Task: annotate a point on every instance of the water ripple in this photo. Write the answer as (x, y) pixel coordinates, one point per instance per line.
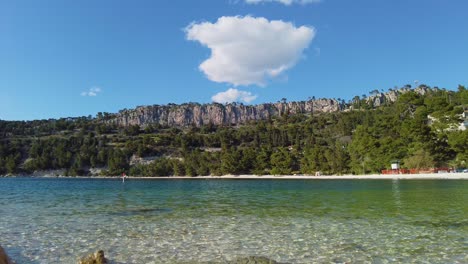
(56, 221)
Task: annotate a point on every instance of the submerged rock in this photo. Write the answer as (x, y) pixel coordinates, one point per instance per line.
(142, 211)
(96, 258)
(4, 259)
(253, 260)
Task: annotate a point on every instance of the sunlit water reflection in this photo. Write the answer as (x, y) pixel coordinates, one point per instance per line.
(199, 221)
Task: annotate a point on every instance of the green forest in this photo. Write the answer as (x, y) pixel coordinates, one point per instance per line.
(420, 131)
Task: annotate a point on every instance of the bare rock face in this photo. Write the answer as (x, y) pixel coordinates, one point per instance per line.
(4, 259)
(391, 96)
(194, 114)
(96, 258)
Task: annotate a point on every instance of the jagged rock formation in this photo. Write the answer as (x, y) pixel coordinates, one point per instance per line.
(391, 96)
(195, 114)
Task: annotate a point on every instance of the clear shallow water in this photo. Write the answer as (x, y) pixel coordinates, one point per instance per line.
(199, 221)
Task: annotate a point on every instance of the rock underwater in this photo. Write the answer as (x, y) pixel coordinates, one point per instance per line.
(4, 259)
(95, 258)
(253, 260)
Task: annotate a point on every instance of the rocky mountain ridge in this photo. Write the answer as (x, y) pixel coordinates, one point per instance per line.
(195, 114)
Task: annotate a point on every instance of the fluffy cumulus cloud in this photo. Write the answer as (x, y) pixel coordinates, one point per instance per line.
(285, 2)
(233, 95)
(93, 91)
(249, 50)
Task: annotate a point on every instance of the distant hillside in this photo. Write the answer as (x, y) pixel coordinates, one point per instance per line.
(422, 128)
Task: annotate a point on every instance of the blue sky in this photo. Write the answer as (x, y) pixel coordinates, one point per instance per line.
(63, 58)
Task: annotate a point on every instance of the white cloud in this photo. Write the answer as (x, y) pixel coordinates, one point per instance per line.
(93, 91)
(233, 95)
(248, 50)
(285, 2)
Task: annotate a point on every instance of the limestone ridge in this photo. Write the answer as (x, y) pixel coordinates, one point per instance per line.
(195, 114)
(391, 96)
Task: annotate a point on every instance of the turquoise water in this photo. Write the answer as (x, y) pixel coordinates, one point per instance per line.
(199, 221)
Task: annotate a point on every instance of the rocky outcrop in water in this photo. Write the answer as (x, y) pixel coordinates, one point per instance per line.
(95, 258)
(4, 259)
(194, 114)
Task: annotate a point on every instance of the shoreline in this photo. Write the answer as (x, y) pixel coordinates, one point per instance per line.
(441, 176)
(435, 176)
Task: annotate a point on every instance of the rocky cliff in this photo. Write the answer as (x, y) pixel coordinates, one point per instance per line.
(378, 99)
(194, 114)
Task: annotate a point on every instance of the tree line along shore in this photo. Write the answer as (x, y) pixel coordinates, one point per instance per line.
(418, 130)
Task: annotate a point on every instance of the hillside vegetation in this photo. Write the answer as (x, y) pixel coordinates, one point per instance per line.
(420, 130)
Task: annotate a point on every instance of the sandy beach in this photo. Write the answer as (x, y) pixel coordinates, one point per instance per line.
(433, 176)
(441, 176)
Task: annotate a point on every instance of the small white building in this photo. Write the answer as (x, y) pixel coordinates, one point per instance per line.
(464, 123)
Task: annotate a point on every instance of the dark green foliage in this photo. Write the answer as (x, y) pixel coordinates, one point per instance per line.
(282, 162)
(417, 130)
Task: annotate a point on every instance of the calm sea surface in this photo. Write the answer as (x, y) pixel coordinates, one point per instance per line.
(199, 221)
